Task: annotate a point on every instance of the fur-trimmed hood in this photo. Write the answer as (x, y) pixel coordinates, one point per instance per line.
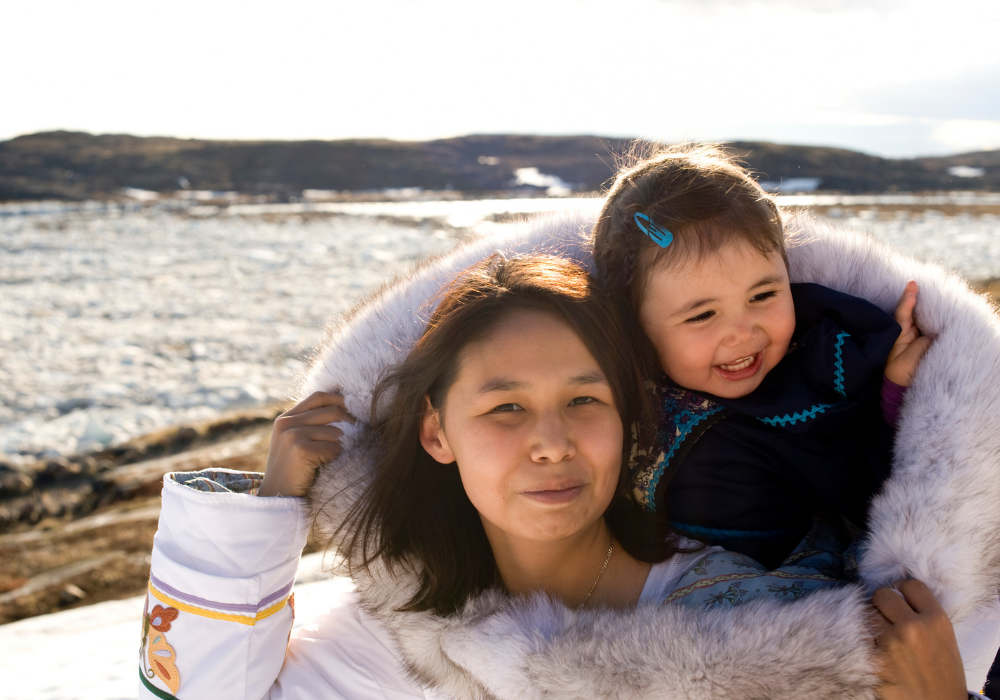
(937, 518)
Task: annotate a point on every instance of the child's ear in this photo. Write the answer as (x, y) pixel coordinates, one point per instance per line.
(432, 435)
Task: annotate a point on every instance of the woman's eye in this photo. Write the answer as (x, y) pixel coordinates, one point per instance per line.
(507, 408)
(700, 317)
(582, 401)
(763, 296)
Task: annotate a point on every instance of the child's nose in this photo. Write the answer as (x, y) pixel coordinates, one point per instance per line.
(742, 330)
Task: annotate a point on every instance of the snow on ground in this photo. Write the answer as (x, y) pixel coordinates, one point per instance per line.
(92, 653)
(119, 320)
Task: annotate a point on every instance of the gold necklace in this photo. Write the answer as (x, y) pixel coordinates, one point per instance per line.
(607, 558)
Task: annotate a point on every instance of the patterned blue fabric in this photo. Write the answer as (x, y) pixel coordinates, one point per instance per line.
(824, 559)
(682, 411)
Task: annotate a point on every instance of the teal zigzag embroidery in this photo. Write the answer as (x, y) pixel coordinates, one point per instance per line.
(797, 416)
(838, 372)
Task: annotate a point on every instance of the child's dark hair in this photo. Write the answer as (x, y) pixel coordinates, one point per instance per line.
(415, 514)
(697, 192)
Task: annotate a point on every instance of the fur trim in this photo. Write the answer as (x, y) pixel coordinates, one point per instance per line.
(936, 518)
(534, 650)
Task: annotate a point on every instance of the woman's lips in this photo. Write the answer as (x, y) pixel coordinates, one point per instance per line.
(554, 496)
(742, 368)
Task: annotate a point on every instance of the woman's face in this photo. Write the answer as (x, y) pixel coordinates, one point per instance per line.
(532, 424)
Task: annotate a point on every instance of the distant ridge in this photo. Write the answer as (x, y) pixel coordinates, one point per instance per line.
(76, 165)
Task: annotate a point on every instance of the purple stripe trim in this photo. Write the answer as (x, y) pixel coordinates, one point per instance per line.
(274, 596)
(229, 607)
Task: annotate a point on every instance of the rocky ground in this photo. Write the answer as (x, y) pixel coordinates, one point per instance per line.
(82, 532)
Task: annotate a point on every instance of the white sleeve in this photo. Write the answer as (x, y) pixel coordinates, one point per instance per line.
(218, 611)
(220, 607)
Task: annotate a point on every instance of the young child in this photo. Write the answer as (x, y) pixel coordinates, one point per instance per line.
(771, 404)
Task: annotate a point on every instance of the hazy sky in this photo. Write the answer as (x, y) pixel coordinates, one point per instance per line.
(892, 77)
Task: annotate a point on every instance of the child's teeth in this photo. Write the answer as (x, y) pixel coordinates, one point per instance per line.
(739, 364)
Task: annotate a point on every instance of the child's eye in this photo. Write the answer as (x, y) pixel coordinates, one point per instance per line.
(763, 295)
(700, 317)
(507, 408)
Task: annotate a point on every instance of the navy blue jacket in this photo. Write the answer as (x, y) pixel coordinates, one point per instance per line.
(750, 473)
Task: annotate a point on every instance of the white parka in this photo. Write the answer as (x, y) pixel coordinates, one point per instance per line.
(225, 561)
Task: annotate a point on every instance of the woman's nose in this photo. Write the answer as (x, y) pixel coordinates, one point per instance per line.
(551, 441)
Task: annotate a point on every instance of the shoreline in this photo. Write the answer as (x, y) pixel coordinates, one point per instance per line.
(85, 537)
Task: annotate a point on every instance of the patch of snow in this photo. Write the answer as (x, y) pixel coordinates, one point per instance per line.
(792, 184)
(141, 195)
(966, 171)
(554, 185)
(92, 653)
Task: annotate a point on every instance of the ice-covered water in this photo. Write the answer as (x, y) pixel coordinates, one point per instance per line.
(114, 325)
(964, 243)
(115, 321)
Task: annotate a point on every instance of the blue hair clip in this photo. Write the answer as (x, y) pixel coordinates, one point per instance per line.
(660, 236)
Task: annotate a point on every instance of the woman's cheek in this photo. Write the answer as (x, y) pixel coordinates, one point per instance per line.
(604, 445)
(484, 490)
(486, 462)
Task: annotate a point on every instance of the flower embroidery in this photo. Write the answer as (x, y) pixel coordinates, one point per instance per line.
(701, 568)
(732, 596)
(160, 660)
(796, 590)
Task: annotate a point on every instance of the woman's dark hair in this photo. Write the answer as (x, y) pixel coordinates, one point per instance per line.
(699, 193)
(415, 513)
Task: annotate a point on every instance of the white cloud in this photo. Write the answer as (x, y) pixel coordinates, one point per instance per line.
(968, 134)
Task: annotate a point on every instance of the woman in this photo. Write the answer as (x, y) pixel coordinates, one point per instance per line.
(530, 396)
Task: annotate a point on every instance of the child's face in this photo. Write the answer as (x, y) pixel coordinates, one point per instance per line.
(720, 324)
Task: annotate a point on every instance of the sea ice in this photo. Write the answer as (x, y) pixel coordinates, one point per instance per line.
(116, 320)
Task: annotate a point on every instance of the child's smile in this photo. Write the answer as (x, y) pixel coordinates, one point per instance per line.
(720, 324)
(743, 368)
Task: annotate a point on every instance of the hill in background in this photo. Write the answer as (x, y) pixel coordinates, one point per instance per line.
(76, 166)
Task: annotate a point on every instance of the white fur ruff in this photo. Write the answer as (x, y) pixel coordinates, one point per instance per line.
(937, 518)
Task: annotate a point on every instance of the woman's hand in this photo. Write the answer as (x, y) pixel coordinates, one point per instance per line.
(301, 442)
(911, 345)
(916, 646)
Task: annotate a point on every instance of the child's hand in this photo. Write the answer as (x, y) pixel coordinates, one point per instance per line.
(301, 442)
(917, 650)
(911, 344)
